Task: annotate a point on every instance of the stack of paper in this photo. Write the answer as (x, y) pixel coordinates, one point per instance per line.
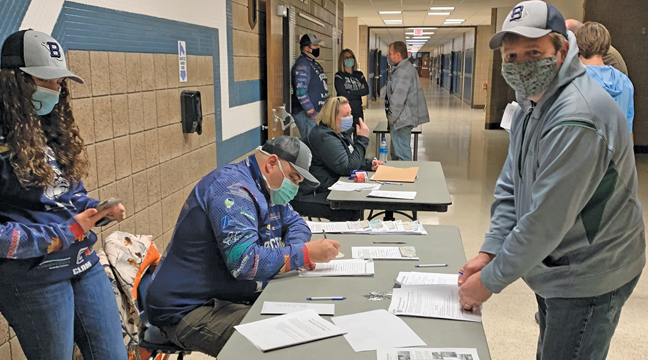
(428, 354)
(384, 252)
(378, 329)
(288, 330)
(374, 227)
(353, 186)
(435, 301)
(421, 278)
(355, 267)
(403, 195)
(280, 308)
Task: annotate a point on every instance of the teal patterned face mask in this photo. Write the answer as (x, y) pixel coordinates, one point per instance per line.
(532, 77)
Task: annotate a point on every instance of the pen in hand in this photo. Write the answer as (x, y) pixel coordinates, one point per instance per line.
(324, 232)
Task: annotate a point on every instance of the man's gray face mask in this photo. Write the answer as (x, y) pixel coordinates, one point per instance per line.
(532, 77)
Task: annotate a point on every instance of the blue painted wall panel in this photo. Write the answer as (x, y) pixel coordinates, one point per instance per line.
(12, 13)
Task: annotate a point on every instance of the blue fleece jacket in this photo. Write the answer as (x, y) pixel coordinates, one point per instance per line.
(40, 241)
(228, 242)
(618, 85)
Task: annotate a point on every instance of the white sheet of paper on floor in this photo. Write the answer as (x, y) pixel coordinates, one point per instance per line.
(427, 354)
(377, 329)
(280, 308)
(434, 301)
(403, 195)
(507, 118)
(421, 278)
(384, 252)
(353, 186)
(288, 330)
(354, 267)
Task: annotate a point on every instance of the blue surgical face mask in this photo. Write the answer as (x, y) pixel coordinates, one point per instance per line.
(347, 123)
(286, 192)
(349, 63)
(45, 99)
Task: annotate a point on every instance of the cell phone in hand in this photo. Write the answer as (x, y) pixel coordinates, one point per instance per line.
(103, 206)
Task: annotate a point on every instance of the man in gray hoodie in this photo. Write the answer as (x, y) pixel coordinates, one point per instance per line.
(566, 216)
(404, 102)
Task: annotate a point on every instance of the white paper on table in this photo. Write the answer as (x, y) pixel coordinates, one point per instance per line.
(354, 267)
(507, 118)
(377, 329)
(353, 186)
(435, 301)
(404, 195)
(287, 330)
(329, 227)
(384, 252)
(421, 278)
(428, 354)
(280, 308)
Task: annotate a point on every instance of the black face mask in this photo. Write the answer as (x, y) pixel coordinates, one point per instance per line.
(315, 52)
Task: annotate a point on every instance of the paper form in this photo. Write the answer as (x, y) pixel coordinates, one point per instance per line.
(507, 118)
(428, 354)
(404, 195)
(353, 186)
(421, 278)
(329, 227)
(384, 252)
(377, 329)
(377, 226)
(287, 330)
(435, 301)
(355, 267)
(280, 308)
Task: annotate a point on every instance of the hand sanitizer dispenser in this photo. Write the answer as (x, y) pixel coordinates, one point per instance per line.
(191, 109)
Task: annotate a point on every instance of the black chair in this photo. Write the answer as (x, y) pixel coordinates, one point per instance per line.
(151, 337)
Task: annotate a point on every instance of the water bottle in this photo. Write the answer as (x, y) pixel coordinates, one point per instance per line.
(383, 150)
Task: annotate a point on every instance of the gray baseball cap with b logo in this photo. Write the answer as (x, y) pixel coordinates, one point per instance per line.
(37, 54)
(295, 152)
(531, 19)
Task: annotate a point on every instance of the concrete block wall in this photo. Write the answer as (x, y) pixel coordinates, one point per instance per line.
(482, 63)
(249, 43)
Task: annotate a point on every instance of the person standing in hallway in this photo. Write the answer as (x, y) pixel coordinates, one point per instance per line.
(566, 217)
(53, 291)
(334, 155)
(404, 102)
(612, 57)
(351, 84)
(310, 85)
(593, 43)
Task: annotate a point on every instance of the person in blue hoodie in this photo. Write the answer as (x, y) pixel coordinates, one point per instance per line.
(566, 217)
(53, 292)
(594, 42)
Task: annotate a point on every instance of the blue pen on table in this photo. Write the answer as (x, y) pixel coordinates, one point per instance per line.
(326, 298)
(388, 183)
(431, 265)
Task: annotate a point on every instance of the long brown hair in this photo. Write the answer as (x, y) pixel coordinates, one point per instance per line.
(27, 135)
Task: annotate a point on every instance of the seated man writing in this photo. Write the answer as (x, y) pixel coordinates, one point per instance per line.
(234, 233)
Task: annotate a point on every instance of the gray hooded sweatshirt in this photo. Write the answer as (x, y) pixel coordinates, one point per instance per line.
(566, 216)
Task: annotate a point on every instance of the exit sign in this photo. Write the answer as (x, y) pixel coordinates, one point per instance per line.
(418, 32)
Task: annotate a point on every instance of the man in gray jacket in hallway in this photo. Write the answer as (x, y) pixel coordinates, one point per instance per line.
(404, 102)
(566, 217)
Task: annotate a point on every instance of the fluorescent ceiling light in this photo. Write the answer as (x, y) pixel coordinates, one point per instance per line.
(432, 28)
(455, 20)
(393, 21)
(389, 12)
(439, 13)
(420, 37)
(442, 8)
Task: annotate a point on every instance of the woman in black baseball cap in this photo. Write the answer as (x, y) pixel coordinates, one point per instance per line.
(53, 292)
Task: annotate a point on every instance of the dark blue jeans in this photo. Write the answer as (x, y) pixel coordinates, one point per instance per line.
(48, 319)
(580, 328)
(304, 124)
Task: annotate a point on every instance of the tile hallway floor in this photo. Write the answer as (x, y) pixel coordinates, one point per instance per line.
(472, 159)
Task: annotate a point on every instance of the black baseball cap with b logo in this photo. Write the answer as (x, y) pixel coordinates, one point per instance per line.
(532, 19)
(37, 54)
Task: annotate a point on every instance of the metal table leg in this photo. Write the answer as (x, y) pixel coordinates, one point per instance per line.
(378, 139)
(415, 156)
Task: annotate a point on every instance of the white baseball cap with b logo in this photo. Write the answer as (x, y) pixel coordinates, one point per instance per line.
(37, 54)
